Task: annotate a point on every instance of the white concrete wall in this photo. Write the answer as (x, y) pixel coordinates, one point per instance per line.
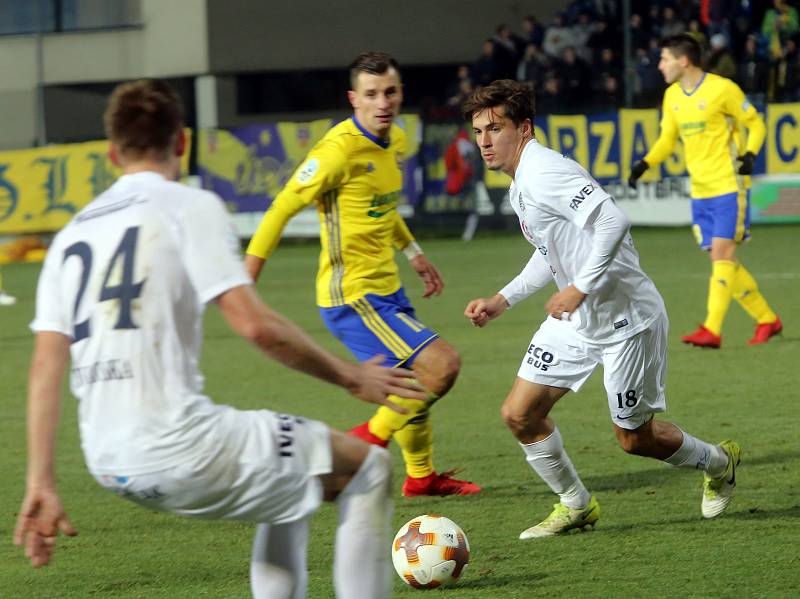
(171, 42)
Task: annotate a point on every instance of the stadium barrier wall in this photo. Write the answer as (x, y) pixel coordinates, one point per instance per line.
(40, 189)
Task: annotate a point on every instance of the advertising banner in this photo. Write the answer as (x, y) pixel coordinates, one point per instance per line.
(249, 165)
(42, 188)
(607, 144)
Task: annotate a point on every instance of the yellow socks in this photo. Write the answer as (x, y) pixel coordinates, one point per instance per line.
(720, 285)
(387, 422)
(416, 443)
(412, 432)
(745, 291)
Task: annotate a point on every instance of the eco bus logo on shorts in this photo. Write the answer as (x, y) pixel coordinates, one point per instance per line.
(540, 358)
(577, 200)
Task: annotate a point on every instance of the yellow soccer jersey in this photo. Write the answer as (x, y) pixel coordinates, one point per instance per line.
(355, 180)
(707, 120)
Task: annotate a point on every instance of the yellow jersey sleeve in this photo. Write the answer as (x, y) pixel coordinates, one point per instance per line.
(402, 234)
(324, 169)
(665, 143)
(737, 106)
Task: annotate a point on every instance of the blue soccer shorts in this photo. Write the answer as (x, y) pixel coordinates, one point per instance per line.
(726, 216)
(379, 324)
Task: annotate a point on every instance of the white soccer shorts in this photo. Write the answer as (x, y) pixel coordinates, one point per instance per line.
(634, 370)
(264, 468)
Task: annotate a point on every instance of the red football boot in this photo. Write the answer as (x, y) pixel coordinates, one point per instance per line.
(702, 337)
(362, 432)
(765, 331)
(439, 484)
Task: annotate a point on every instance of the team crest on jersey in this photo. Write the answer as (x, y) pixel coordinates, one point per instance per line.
(525, 231)
(308, 170)
(701, 104)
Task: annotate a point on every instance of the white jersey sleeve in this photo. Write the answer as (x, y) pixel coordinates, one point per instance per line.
(609, 226)
(533, 277)
(565, 188)
(210, 249)
(51, 313)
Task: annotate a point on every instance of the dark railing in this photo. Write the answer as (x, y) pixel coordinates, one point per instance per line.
(19, 17)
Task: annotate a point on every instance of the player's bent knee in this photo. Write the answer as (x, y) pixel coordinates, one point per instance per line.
(519, 423)
(437, 367)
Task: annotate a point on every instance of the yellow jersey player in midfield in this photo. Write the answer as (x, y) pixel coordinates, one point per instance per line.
(707, 111)
(353, 176)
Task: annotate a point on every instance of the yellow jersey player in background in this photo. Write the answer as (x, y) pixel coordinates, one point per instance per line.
(707, 112)
(354, 177)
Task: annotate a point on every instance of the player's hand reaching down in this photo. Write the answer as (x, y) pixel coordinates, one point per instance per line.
(429, 274)
(562, 304)
(748, 163)
(372, 383)
(480, 311)
(40, 519)
(637, 170)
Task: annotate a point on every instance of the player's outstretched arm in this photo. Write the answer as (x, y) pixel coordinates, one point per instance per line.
(287, 343)
(42, 515)
(637, 170)
(480, 311)
(429, 274)
(253, 265)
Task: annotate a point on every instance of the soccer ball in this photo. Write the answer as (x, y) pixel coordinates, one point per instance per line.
(430, 551)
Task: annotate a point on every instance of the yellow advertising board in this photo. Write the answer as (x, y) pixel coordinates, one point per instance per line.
(42, 188)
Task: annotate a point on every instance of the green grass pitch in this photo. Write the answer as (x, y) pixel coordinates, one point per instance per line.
(650, 541)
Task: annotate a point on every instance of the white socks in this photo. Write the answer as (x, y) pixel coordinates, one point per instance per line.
(694, 453)
(278, 567)
(550, 461)
(361, 568)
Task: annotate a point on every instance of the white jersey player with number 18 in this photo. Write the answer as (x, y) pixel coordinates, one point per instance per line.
(122, 292)
(606, 311)
(555, 199)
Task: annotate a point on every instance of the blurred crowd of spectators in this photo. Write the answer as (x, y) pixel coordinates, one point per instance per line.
(574, 62)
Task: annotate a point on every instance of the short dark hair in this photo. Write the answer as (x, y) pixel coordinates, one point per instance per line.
(516, 97)
(684, 44)
(143, 117)
(374, 63)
